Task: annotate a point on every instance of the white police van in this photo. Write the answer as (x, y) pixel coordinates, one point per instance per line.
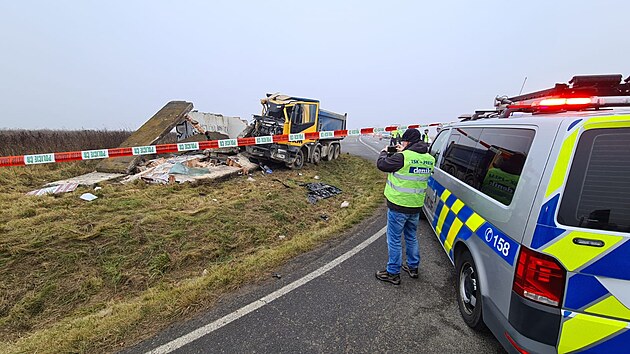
(531, 202)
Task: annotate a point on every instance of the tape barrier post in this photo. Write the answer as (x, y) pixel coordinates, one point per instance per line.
(56, 157)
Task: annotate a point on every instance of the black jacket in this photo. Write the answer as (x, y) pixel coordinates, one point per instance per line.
(394, 162)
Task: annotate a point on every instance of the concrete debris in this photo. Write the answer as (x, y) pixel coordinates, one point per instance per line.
(282, 237)
(251, 179)
(181, 169)
(88, 179)
(156, 171)
(218, 123)
(319, 191)
(88, 197)
(316, 177)
(242, 162)
(205, 272)
(98, 188)
(187, 168)
(345, 204)
(149, 133)
(61, 188)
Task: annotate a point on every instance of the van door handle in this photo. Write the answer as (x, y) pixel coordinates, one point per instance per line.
(588, 242)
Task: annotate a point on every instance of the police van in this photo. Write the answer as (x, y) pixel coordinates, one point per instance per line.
(531, 202)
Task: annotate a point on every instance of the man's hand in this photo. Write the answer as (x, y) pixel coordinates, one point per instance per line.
(399, 147)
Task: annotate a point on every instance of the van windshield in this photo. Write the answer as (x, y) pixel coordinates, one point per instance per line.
(597, 194)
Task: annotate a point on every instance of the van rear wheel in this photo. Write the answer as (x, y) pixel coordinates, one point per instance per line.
(469, 292)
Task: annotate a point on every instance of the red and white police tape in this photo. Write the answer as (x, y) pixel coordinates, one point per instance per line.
(67, 156)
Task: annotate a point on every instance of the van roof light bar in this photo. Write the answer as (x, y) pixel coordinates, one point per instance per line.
(581, 93)
(583, 86)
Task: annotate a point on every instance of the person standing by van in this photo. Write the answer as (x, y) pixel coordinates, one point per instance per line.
(409, 170)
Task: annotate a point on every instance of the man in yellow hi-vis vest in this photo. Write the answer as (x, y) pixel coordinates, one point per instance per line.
(395, 139)
(425, 137)
(409, 170)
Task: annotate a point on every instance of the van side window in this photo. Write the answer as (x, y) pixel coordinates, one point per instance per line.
(597, 191)
(501, 164)
(438, 145)
(490, 159)
(460, 154)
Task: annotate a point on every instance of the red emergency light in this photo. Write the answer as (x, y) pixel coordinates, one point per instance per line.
(576, 101)
(554, 103)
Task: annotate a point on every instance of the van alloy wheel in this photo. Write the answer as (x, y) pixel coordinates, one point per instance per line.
(468, 288)
(469, 299)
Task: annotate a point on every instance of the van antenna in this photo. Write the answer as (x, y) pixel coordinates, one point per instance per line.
(522, 86)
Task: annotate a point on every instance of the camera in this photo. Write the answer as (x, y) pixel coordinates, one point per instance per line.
(391, 149)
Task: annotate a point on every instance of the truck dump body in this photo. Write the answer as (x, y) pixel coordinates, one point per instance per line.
(331, 121)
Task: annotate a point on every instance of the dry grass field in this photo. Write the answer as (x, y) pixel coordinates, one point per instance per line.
(80, 276)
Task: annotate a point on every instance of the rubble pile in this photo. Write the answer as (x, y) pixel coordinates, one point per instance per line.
(191, 168)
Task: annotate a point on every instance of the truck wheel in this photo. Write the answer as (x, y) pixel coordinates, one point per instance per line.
(317, 155)
(469, 292)
(337, 151)
(330, 153)
(299, 161)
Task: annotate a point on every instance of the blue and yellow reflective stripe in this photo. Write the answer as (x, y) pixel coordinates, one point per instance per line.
(575, 256)
(581, 330)
(611, 307)
(454, 220)
(452, 233)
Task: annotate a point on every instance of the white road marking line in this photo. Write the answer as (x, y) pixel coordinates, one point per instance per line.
(368, 146)
(211, 327)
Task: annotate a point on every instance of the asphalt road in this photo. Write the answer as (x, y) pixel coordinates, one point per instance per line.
(346, 309)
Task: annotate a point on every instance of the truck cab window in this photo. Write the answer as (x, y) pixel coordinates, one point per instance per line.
(303, 117)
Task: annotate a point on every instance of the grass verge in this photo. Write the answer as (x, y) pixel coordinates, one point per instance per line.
(96, 276)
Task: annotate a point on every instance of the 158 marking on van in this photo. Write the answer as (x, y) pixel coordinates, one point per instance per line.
(501, 244)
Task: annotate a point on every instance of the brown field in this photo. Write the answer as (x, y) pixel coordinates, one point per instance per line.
(21, 142)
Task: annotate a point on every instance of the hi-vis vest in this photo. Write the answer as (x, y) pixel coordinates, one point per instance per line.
(406, 186)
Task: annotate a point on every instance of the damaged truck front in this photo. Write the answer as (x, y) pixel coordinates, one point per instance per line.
(286, 115)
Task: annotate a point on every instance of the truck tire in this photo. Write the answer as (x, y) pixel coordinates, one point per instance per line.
(337, 151)
(469, 291)
(317, 155)
(298, 163)
(330, 152)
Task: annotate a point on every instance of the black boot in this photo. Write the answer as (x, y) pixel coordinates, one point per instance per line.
(388, 277)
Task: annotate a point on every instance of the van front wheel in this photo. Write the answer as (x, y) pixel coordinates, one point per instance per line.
(469, 292)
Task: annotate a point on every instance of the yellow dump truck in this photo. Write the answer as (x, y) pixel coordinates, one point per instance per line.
(302, 120)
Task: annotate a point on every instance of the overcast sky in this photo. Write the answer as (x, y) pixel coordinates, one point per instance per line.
(113, 64)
